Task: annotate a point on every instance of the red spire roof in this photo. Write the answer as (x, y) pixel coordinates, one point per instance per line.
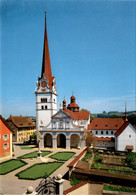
(46, 66)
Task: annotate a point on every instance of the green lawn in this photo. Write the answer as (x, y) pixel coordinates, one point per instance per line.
(10, 165)
(26, 147)
(64, 156)
(34, 154)
(39, 170)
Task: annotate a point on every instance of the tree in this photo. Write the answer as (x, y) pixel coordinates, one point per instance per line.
(90, 140)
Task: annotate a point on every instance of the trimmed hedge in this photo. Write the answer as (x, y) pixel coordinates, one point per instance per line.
(11, 165)
(34, 154)
(62, 156)
(121, 189)
(40, 170)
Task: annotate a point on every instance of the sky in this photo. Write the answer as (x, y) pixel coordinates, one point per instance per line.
(92, 48)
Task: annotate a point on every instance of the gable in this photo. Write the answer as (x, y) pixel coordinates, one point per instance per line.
(60, 114)
(125, 127)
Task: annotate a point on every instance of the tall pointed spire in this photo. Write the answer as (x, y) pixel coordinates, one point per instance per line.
(126, 112)
(46, 66)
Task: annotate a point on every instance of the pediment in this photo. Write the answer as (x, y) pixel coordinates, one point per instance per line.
(61, 114)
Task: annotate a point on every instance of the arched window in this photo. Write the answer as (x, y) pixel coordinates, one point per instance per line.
(45, 107)
(42, 107)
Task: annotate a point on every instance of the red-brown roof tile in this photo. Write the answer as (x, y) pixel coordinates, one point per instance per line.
(81, 115)
(102, 139)
(75, 187)
(105, 123)
(21, 121)
(121, 129)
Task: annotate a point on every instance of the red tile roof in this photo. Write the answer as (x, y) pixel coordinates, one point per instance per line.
(121, 129)
(81, 115)
(105, 123)
(75, 187)
(21, 121)
(102, 139)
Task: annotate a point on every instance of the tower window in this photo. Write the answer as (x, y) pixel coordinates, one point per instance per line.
(107, 132)
(45, 107)
(96, 132)
(42, 107)
(43, 100)
(112, 132)
(101, 132)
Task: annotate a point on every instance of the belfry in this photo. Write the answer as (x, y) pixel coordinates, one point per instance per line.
(46, 95)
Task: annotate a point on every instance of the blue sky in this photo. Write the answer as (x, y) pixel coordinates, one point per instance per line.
(92, 51)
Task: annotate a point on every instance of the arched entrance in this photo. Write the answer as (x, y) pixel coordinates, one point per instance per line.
(74, 141)
(48, 140)
(61, 141)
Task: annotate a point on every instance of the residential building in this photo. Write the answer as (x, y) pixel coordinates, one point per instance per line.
(22, 127)
(5, 139)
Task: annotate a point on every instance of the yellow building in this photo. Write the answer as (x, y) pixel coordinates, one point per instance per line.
(22, 127)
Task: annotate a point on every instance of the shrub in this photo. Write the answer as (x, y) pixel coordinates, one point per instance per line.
(74, 182)
(87, 156)
(113, 188)
(131, 160)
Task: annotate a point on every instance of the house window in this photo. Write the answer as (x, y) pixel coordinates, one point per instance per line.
(5, 137)
(107, 132)
(101, 132)
(5, 146)
(45, 107)
(111, 132)
(96, 132)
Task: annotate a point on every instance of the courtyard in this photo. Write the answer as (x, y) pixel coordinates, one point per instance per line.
(27, 174)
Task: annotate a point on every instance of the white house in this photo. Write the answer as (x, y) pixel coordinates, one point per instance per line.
(125, 138)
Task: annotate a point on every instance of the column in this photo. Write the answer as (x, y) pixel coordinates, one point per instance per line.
(67, 143)
(54, 141)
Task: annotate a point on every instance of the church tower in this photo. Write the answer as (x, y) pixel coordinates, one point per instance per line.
(46, 95)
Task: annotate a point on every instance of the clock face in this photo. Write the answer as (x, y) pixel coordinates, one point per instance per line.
(43, 84)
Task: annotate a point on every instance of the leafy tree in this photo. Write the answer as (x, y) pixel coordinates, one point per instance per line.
(89, 139)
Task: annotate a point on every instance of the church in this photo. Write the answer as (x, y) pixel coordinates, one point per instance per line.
(64, 128)
(67, 127)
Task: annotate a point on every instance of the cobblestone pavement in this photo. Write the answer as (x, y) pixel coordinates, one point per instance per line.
(10, 184)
